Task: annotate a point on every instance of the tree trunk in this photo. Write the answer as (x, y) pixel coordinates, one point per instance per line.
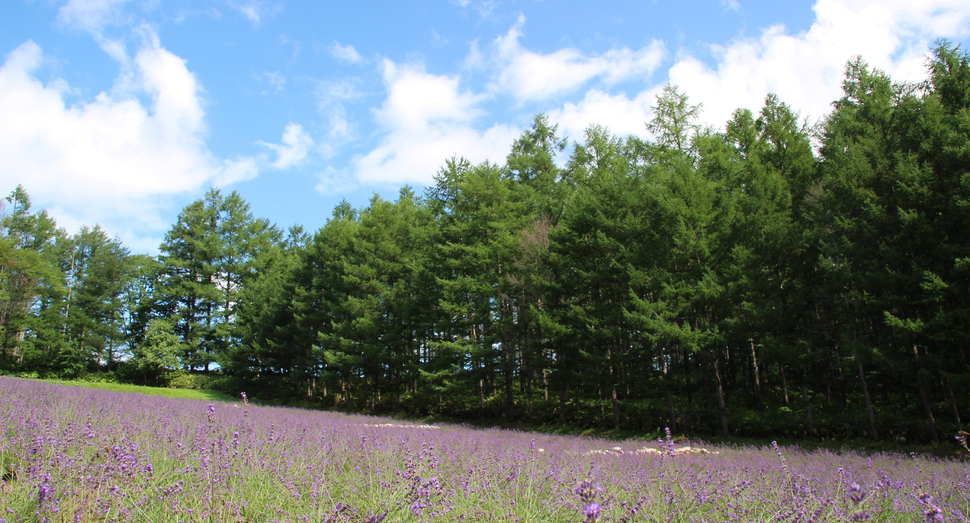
(865, 393)
(924, 398)
(757, 376)
(671, 408)
(808, 409)
(721, 402)
(930, 421)
(614, 399)
(563, 396)
(545, 385)
(953, 403)
(671, 411)
(784, 383)
(616, 410)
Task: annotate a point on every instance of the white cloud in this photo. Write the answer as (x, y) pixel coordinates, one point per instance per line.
(622, 115)
(276, 80)
(731, 5)
(254, 10)
(531, 76)
(331, 96)
(806, 70)
(111, 160)
(483, 7)
(90, 15)
(238, 170)
(345, 53)
(296, 144)
(416, 98)
(427, 119)
(331, 181)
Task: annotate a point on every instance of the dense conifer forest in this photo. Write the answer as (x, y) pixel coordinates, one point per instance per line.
(775, 277)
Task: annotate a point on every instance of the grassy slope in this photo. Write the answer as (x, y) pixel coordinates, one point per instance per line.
(207, 395)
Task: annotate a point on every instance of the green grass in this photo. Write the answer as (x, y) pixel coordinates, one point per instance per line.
(195, 394)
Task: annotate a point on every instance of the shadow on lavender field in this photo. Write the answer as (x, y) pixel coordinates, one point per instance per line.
(77, 454)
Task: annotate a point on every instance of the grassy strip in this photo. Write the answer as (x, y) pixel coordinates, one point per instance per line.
(192, 394)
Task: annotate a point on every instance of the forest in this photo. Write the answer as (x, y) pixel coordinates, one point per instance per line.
(773, 277)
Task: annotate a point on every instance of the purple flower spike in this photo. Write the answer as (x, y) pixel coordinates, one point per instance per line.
(856, 493)
(586, 491)
(933, 513)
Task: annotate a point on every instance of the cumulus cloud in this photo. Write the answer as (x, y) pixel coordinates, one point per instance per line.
(623, 116)
(532, 76)
(806, 69)
(296, 144)
(427, 118)
(113, 160)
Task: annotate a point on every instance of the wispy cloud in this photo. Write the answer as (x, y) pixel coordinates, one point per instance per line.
(331, 97)
(254, 10)
(484, 8)
(274, 78)
(90, 15)
(293, 151)
(345, 53)
(333, 181)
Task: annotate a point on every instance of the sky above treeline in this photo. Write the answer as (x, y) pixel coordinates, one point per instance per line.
(121, 112)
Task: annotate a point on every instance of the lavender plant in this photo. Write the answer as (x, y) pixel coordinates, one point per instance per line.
(79, 455)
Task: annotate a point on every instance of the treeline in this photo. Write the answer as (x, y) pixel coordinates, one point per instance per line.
(771, 278)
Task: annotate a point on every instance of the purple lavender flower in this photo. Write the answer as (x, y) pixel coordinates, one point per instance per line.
(933, 513)
(592, 512)
(586, 491)
(43, 493)
(856, 494)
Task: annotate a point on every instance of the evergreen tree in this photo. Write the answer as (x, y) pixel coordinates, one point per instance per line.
(209, 256)
(30, 283)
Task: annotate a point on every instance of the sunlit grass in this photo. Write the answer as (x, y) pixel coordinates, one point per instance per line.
(190, 394)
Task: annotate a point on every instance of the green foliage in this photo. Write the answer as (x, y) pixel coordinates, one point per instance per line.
(158, 355)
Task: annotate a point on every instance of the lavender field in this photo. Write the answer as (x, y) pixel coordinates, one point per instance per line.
(78, 455)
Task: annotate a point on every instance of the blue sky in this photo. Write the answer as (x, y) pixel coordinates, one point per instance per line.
(121, 112)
